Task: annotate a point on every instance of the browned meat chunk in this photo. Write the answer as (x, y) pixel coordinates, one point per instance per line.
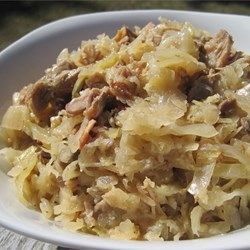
(123, 91)
(202, 87)
(50, 93)
(202, 53)
(85, 137)
(122, 83)
(98, 104)
(39, 98)
(219, 50)
(168, 210)
(65, 81)
(44, 157)
(210, 216)
(91, 101)
(62, 77)
(124, 35)
(79, 104)
(227, 107)
(200, 91)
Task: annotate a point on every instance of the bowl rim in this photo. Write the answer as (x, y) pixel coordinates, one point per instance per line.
(237, 239)
(101, 13)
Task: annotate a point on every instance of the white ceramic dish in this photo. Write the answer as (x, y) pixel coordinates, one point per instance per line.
(25, 60)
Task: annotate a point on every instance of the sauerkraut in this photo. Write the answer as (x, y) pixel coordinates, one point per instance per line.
(140, 136)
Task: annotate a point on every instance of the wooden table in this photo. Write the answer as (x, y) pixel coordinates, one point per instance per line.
(12, 241)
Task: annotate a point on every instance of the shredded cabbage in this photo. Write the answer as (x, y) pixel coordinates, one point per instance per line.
(155, 147)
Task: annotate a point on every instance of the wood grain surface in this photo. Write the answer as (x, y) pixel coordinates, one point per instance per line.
(12, 241)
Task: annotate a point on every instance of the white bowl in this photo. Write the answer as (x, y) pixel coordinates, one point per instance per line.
(24, 62)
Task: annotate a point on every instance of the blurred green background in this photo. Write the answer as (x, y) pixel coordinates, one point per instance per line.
(19, 17)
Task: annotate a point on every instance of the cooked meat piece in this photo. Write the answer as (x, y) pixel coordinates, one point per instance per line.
(200, 91)
(202, 87)
(227, 107)
(65, 81)
(123, 91)
(169, 211)
(85, 136)
(98, 104)
(181, 177)
(45, 100)
(50, 94)
(58, 74)
(219, 50)
(62, 76)
(202, 53)
(122, 83)
(245, 123)
(112, 108)
(91, 101)
(44, 157)
(39, 98)
(210, 216)
(78, 104)
(124, 35)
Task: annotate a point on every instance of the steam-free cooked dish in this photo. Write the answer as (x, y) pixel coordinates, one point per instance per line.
(143, 136)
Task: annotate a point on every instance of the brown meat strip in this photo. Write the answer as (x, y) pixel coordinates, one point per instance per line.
(123, 91)
(202, 87)
(49, 94)
(65, 81)
(91, 101)
(227, 107)
(219, 50)
(120, 84)
(39, 98)
(44, 157)
(85, 137)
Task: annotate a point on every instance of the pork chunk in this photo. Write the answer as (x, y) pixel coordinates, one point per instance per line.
(50, 94)
(219, 51)
(202, 87)
(123, 83)
(227, 107)
(39, 98)
(91, 102)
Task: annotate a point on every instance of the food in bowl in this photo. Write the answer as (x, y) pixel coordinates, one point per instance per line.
(142, 136)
